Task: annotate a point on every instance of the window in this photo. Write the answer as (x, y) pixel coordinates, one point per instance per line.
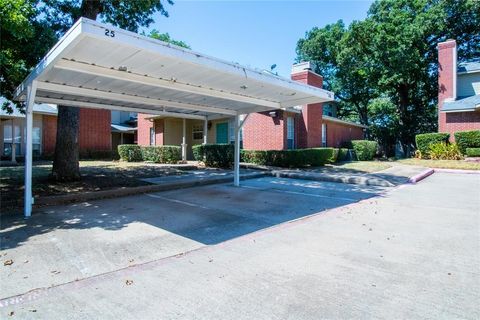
(324, 134)
(152, 136)
(36, 137)
(197, 130)
(7, 140)
(290, 133)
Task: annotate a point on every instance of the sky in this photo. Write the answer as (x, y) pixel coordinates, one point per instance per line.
(257, 34)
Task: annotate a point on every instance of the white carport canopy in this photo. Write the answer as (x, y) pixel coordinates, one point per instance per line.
(98, 66)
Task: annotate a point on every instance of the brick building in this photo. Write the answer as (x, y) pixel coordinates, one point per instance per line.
(458, 91)
(99, 131)
(299, 127)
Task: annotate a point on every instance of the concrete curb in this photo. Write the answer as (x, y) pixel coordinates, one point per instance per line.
(422, 175)
(346, 179)
(122, 192)
(457, 171)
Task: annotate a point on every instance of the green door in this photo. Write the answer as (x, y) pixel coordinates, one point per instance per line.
(222, 132)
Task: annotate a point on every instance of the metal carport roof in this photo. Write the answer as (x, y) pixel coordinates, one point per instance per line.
(95, 65)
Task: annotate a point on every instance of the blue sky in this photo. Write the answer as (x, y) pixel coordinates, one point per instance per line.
(253, 33)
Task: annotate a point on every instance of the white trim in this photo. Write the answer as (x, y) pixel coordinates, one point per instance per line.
(454, 65)
(332, 119)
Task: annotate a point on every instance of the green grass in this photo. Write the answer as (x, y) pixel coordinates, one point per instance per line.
(442, 164)
(363, 166)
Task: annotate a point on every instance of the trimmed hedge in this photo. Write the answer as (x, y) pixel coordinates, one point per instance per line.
(424, 141)
(130, 152)
(214, 155)
(365, 150)
(290, 158)
(162, 154)
(467, 139)
(473, 152)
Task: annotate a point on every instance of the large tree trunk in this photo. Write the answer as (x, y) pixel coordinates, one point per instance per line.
(65, 163)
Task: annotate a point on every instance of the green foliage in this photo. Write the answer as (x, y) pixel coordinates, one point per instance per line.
(161, 154)
(215, 155)
(290, 158)
(444, 151)
(424, 141)
(473, 152)
(165, 37)
(343, 154)
(130, 152)
(198, 152)
(467, 139)
(95, 155)
(392, 55)
(364, 150)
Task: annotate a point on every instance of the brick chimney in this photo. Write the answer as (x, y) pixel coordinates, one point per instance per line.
(310, 131)
(447, 77)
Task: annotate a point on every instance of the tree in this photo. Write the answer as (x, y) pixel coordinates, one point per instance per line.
(165, 37)
(340, 55)
(30, 28)
(392, 55)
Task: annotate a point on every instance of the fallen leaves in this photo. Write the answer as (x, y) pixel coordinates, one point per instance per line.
(8, 262)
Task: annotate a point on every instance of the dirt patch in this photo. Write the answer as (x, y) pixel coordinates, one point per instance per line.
(96, 176)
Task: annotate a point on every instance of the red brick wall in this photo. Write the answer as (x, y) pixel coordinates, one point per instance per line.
(453, 121)
(446, 78)
(338, 133)
(49, 134)
(460, 121)
(95, 130)
(310, 132)
(143, 129)
(262, 132)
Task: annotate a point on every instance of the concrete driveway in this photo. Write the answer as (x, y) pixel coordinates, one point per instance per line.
(273, 249)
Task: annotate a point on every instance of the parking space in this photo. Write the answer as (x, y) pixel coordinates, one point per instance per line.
(60, 244)
(408, 252)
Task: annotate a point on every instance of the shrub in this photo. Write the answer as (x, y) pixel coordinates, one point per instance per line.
(344, 154)
(130, 152)
(334, 156)
(467, 139)
(365, 150)
(161, 154)
(198, 152)
(473, 152)
(444, 151)
(289, 158)
(424, 141)
(215, 155)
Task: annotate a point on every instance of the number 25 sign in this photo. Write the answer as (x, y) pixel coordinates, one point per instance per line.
(110, 33)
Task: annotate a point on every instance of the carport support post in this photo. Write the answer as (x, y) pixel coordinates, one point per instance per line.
(31, 91)
(236, 164)
(184, 144)
(205, 128)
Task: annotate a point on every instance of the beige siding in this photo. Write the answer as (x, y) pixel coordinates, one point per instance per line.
(468, 84)
(173, 132)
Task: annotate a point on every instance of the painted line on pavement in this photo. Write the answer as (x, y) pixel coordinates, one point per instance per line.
(301, 193)
(176, 201)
